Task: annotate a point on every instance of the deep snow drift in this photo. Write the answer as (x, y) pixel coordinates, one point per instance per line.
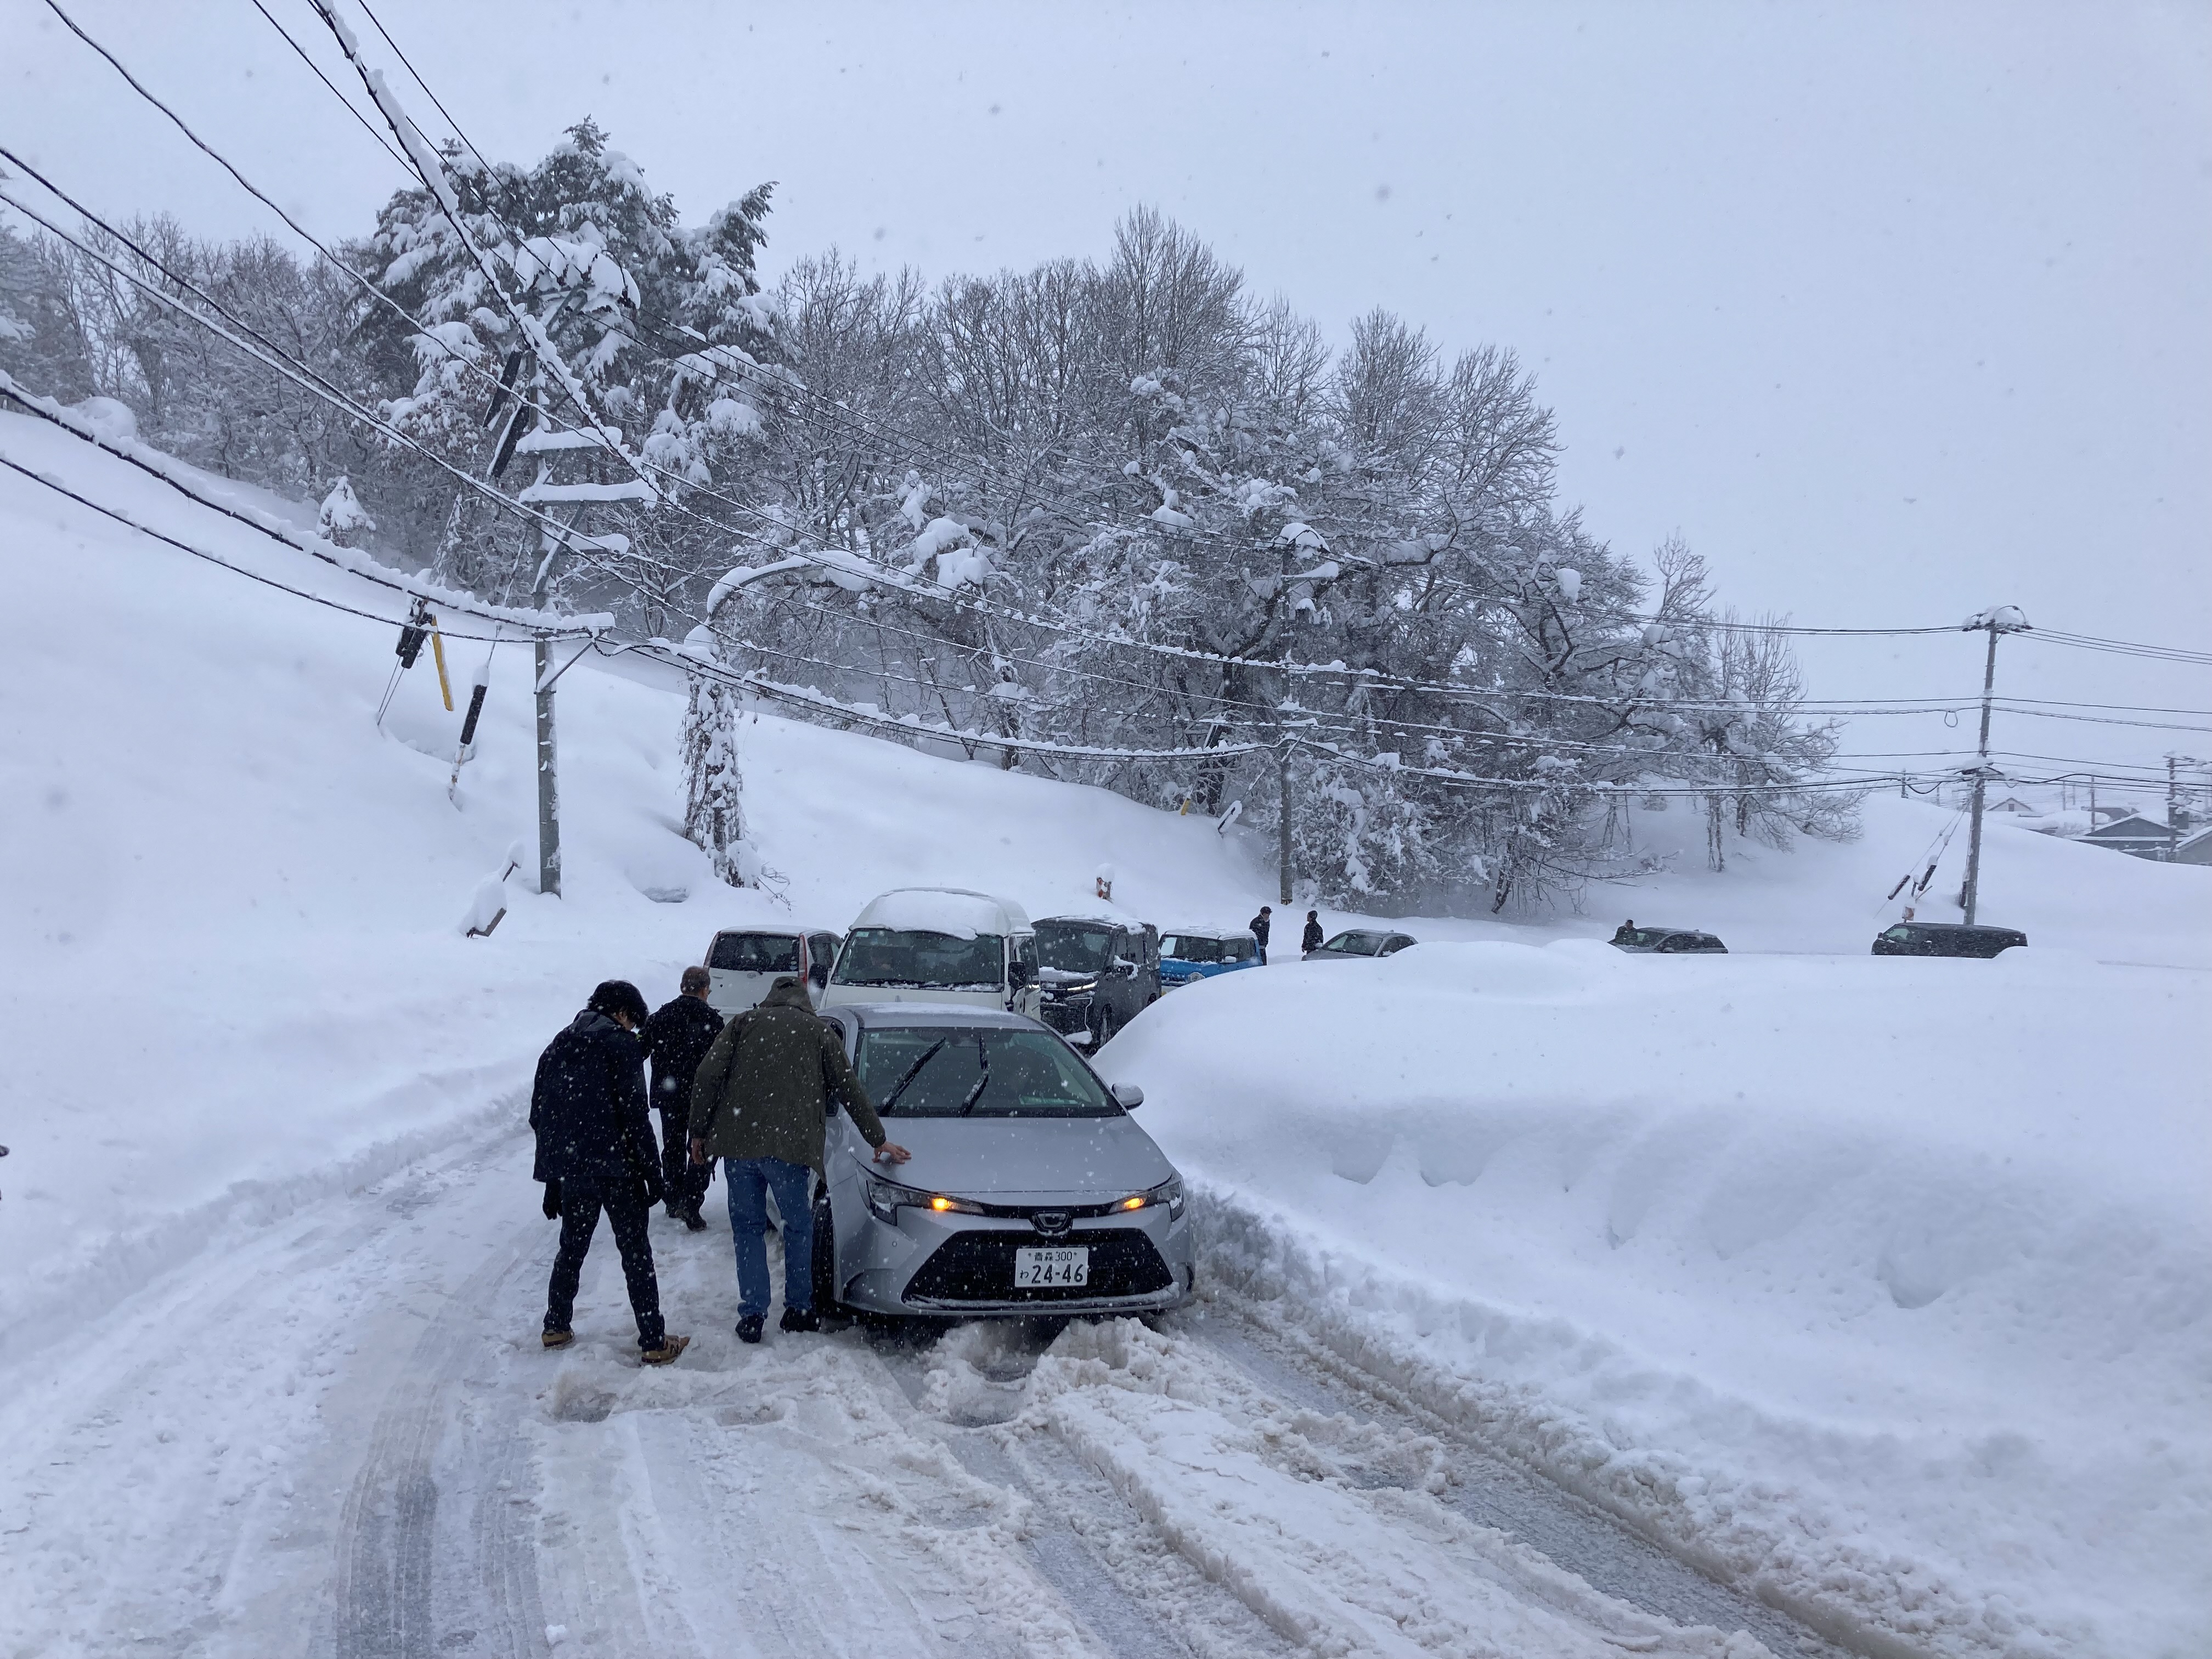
(1880, 1284)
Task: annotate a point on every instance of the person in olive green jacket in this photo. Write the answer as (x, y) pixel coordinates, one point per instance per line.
(759, 1102)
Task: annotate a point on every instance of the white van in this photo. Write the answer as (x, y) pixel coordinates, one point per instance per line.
(939, 945)
(742, 963)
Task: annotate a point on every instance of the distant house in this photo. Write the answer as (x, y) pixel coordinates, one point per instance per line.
(2197, 849)
(2015, 803)
(2133, 834)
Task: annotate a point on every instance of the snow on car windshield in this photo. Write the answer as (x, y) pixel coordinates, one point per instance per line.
(1073, 947)
(936, 962)
(920, 1071)
(755, 953)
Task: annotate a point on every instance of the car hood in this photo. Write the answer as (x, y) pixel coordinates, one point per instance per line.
(1071, 1159)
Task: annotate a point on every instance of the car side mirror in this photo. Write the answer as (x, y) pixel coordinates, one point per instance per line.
(1018, 974)
(1128, 1096)
(819, 971)
(1126, 967)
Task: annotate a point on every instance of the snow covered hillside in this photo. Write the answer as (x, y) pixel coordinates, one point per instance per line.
(1876, 1286)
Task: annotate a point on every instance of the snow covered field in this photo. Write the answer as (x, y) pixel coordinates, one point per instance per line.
(1877, 1287)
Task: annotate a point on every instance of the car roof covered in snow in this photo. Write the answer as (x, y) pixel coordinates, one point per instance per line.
(956, 912)
(1209, 932)
(779, 929)
(1093, 921)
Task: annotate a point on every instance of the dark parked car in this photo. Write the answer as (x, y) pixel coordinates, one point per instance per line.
(1945, 938)
(1663, 941)
(1096, 974)
(1359, 942)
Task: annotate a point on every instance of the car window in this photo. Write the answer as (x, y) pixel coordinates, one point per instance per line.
(915, 959)
(1239, 949)
(755, 953)
(1073, 947)
(1900, 934)
(1186, 947)
(977, 1071)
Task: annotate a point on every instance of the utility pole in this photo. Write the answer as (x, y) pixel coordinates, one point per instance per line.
(2002, 619)
(2174, 802)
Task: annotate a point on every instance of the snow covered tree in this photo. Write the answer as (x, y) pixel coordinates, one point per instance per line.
(713, 806)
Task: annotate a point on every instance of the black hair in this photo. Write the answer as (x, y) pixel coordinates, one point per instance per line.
(618, 996)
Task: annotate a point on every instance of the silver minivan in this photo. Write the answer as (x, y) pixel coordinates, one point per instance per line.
(942, 944)
(742, 963)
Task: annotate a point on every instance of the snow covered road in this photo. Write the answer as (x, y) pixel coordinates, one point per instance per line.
(338, 1434)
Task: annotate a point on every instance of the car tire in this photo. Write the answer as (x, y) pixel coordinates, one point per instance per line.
(824, 1266)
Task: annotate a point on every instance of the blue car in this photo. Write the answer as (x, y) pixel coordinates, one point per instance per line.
(1191, 953)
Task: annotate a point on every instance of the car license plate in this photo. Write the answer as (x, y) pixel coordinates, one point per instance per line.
(1050, 1268)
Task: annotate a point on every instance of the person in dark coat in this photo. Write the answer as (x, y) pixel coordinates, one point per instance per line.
(675, 1039)
(1259, 926)
(760, 1102)
(595, 1152)
(1311, 937)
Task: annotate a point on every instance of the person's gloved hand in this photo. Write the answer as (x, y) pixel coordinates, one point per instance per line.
(552, 1205)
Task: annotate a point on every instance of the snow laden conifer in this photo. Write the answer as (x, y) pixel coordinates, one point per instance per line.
(343, 518)
(714, 804)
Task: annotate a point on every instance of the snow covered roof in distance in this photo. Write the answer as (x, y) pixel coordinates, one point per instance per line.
(953, 911)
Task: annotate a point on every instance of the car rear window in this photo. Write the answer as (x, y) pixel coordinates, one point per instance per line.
(927, 1071)
(755, 953)
(1186, 947)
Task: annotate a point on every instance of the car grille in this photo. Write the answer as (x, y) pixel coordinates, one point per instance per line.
(979, 1266)
(1067, 1017)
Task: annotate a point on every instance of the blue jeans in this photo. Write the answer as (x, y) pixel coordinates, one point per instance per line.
(751, 1181)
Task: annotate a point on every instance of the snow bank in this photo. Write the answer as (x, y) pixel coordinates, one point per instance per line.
(1884, 1284)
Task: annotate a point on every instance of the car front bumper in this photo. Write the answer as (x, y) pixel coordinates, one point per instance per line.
(1142, 1261)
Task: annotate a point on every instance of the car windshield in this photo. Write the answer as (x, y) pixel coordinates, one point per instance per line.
(935, 961)
(924, 1071)
(1073, 947)
(1900, 934)
(1650, 937)
(755, 953)
(1189, 947)
(1354, 945)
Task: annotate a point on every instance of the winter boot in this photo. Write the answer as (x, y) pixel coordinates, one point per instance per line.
(749, 1327)
(801, 1319)
(693, 1221)
(666, 1353)
(557, 1338)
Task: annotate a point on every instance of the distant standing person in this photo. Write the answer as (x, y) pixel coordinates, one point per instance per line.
(675, 1039)
(1310, 938)
(595, 1152)
(759, 1102)
(1259, 926)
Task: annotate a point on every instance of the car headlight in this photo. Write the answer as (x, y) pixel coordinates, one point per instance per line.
(886, 1197)
(1169, 1192)
(1084, 989)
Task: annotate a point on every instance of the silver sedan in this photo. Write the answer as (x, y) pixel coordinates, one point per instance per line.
(1030, 1191)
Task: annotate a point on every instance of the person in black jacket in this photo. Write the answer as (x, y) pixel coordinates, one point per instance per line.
(1311, 937)
(675, 1039)
(595, 1152)
(1259, 926)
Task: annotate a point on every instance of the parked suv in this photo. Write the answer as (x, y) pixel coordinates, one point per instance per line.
(1195, 953)
(1945, 938)
(743, 962)
(1096, 974)
(942, 944)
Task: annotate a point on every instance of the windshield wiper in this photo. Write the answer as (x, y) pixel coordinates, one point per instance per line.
(983, 1060)
(899, 1088)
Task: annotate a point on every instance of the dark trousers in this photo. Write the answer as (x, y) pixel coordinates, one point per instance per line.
(686, 1182)
(627, 1210)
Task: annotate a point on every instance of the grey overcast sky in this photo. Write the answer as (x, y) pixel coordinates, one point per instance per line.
(1894, 311)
